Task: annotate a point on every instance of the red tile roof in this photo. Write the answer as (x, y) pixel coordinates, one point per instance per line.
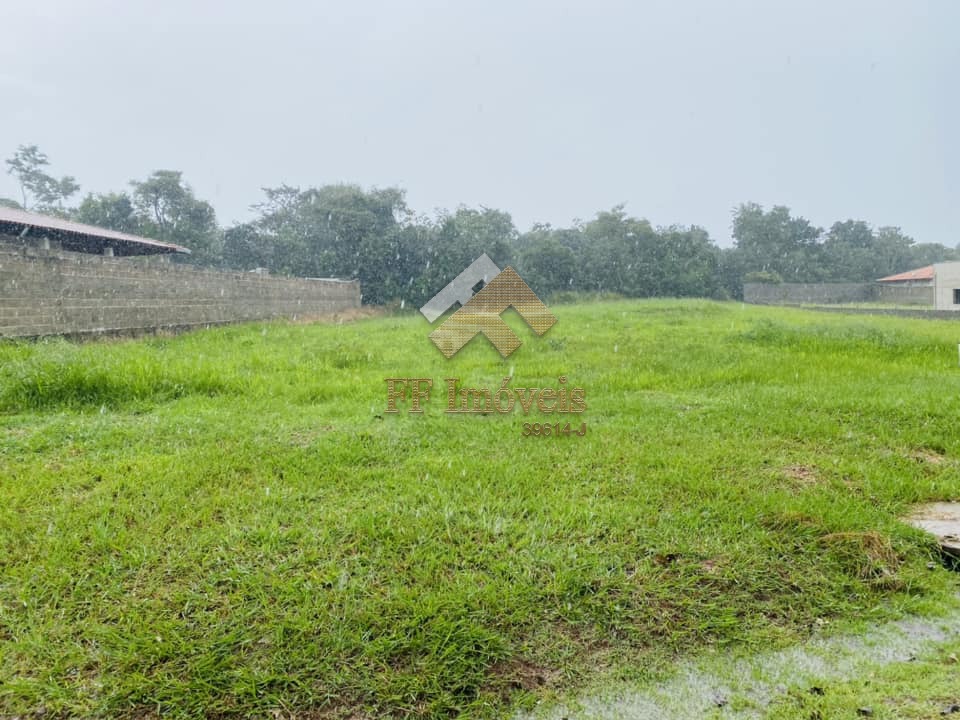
(924, 273)
(17, 221)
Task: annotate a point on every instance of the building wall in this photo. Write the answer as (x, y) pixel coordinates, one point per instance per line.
(946, 279)
(825, 293)
(47, 292)
(905, 294)
(807, 293)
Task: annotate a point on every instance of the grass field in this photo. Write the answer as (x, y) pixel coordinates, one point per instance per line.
(226, 523)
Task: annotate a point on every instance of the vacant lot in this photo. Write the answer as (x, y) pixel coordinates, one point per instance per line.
(227, 523)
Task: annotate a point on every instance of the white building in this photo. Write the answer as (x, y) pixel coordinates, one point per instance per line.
(938, 285)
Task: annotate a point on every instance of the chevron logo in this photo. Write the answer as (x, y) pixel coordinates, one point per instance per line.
(480, 313)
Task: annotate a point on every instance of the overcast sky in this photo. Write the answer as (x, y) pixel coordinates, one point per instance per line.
(549, 110)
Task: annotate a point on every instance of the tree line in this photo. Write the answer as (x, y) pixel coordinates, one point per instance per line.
(344, 230)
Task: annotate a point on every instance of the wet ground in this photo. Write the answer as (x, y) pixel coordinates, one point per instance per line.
(745, 687)
(715, 687)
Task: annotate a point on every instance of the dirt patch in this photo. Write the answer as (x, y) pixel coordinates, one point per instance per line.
(518, 674)
(712, 566)
(308, 438)
(927, 456)
(802, 474)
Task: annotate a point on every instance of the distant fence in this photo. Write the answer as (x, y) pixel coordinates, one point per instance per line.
(892, 312)
(801, 293)
(906, 295)
(827, 293)
(53, 292)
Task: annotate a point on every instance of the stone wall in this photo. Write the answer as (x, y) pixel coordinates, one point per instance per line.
(827, 293)
(53, 292)
(807, 293)
(899, 294)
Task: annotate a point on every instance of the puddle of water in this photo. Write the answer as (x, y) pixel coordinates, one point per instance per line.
(943, 520)
(713, 686)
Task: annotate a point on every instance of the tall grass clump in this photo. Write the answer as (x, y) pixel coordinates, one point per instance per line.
(59, 374)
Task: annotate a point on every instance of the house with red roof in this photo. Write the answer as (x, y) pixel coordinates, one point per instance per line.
(937, 286)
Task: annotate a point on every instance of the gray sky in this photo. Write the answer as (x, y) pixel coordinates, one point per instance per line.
(549, 110)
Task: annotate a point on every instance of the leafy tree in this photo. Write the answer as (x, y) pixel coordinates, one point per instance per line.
(538, 232)
(168, 210)
(730, 274)
(896, 251)
(338, 231)
(776, 241)
(281, 231)
(246, 248)
(688, 262)
(617, 254)
(548, 266)
(467, 233)
(571, 238)
(382, 248)
(767, 277)
(928, 253)
(854, 252)
(112, 210)
(39, 191)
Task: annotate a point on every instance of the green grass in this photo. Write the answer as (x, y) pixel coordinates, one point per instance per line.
(226, 523)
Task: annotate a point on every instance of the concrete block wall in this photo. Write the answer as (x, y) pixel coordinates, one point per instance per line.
(900, 294)
(807, 293)
(53, 292)
(821, 293)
